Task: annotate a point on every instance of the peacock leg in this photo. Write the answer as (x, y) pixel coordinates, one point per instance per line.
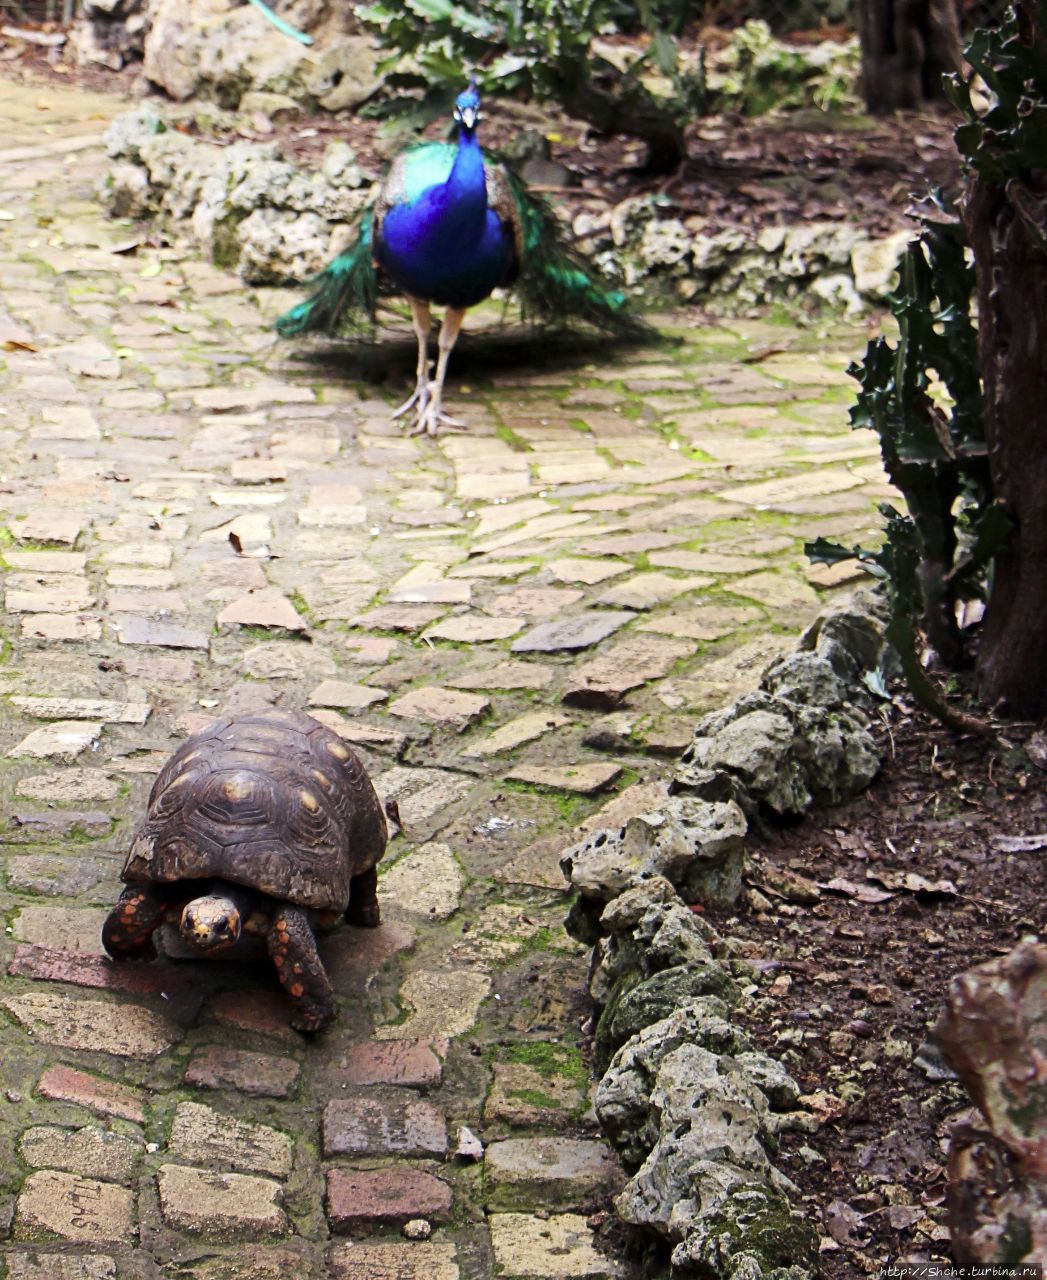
(431, 415)
(423, 320)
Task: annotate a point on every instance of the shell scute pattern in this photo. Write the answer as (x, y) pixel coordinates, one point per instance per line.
(259, 800)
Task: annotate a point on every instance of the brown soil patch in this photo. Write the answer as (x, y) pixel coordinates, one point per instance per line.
(804, 167)
(877, 972)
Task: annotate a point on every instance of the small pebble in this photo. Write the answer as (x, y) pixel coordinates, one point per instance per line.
(417, 1229)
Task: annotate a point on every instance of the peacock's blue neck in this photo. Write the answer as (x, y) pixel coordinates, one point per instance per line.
(464, 195)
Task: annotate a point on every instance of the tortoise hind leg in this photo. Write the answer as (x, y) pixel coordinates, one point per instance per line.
(292, 947)
(363, 900)
(128, 928)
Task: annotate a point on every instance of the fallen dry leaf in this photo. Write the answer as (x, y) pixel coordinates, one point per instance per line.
(1036, 750)
(862, 892)
(842, 1221)
(911, 882)
(1020, 844)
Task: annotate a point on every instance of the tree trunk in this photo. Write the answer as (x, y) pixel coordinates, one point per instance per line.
(1010, 255)
(638, 116)
(907, 46)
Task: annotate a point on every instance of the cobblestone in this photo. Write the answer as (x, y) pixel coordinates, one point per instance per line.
(66, 1084)
(508, 624)
(75, 1208)
(373, 1127)
(393, 1262)
(359, 1201)
(208, 1138)
(90, 1151)
(525, 1174)
(409, 1063)
(227, 1205)
(254, 1074)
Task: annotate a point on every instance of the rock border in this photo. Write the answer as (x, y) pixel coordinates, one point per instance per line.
(692, 1108)
(252, 211)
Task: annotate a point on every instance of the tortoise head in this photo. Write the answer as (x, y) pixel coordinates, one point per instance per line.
(210, 923)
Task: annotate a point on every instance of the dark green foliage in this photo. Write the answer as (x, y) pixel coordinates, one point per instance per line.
(937, 554)
(346, 292)
(1010, 140)
(543, 49)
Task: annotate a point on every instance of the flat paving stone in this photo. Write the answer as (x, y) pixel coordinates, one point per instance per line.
(444, 1003)
(572, 633)
(474, 629)
(384, 1127)
(505, 675)
(361, 1201)
(586, 779)
(105, 1097)
(230, 1206)
(258, 1075)
(425, 882)
(76, 929)
(393, 1262)
(647, 590)
(105, 710)
(525, 1174)
(127, 1031)
(604, 681)
(340, 693)
(90, 1151)
(131, 629)
(525, 728)
(262, 609)
(81, 1210)
(451, 707)
(556, 1247)
(207, 1137)
(407, 1063)
(61, 741)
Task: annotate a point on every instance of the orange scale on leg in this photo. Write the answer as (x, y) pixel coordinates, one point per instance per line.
(297, 989)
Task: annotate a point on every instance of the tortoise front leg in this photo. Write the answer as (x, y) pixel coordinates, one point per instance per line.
(293, 949)
(363, 900)
(128, 928)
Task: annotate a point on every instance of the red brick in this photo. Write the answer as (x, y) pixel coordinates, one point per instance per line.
(360, 1201)
(257, 1074)
(265, 1012)
(65, 1084)
(413, 1064)
(134, 977)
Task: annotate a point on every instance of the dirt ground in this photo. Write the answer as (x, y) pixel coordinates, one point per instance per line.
(869, 911)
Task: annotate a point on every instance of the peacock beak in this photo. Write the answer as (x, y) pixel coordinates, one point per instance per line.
(469, 117)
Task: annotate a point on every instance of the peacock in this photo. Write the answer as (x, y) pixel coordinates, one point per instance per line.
(449, 226)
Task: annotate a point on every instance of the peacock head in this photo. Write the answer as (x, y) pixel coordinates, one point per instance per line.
(467, 108)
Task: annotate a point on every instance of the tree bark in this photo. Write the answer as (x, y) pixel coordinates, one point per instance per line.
(1010, 255)
(907, 46)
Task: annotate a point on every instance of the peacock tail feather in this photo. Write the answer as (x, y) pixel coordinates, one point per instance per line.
(559, 285)
(345, 293)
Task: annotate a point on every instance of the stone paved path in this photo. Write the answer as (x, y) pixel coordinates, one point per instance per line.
(516, 627)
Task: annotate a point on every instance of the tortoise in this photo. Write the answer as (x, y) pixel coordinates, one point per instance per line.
(266, 824)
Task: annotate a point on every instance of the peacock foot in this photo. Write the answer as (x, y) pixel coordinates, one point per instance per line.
(431, 419)
(419, 396)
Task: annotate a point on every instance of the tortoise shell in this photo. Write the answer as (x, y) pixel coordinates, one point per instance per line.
(272, 800)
